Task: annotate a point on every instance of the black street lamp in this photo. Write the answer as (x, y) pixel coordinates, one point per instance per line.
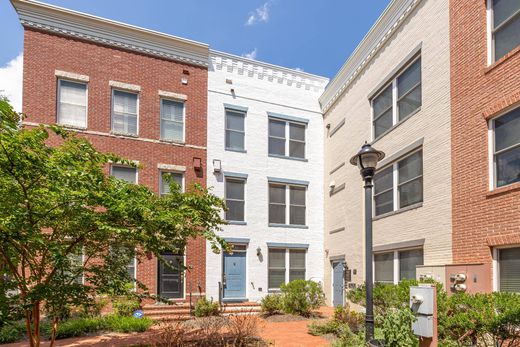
(366, 159)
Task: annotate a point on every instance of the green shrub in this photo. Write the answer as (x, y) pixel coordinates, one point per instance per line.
(12, 332)
(397, 328)
(126, 324)
(354, 320)
(126, 307)
(271, 304)
(78, 327)
(301, 297)
(206, 308)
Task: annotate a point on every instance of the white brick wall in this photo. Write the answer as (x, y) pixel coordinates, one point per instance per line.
(428, 24)
(265, 88)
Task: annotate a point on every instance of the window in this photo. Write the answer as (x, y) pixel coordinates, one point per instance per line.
(235, 130)
(124, 173)
(279, 131)
(504, 26)
(172, 120)
(124, 112)
(278, 258)
(124, 252)
(401, 98)
(279, 194)
(408, 188)
(72, 103)
(168, 177)
(395, 266)
(384, 267)
(76, 260)
(235, 199)
(509, 269)
(506, 148)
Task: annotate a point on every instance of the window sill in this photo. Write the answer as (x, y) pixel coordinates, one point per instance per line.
(236, 222)
(287, 157)
(236, 150)
(276, 225)
(401, 210)
(513, 187)
(72, 127)
(124, 134)
(395, 125)
(274, 290)
(502, 60)
(177, 142)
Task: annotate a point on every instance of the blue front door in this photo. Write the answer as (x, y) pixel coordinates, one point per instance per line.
(338, 283)
(234, 275)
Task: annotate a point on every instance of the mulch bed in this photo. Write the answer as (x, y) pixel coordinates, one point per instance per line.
(290, 318)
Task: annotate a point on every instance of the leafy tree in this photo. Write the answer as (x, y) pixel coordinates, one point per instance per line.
(57, 203)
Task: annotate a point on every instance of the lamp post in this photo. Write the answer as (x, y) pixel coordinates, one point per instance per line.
(366, 160)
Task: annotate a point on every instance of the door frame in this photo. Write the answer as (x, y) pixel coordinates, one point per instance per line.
(246, 274)
(332, 262)
(158, 277)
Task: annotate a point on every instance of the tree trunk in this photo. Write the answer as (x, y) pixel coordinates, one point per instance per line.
(32, 325)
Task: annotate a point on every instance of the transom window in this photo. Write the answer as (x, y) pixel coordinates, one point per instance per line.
(278, 260)
(401, 98)
(168, 177)
(509, 270)
(235, 130)
(279, 195)
(399, 185)
(124, 112)
(395, 266)
(124, 173)
(286, 138)
(506, 148)
(72, 103)
(235, 199)
(172, 120)
(504, 26)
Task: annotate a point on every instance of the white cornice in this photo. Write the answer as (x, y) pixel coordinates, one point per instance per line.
(41, 16)
(265, 71)
(393, 16)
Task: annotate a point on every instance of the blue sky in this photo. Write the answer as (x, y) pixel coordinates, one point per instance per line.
(316, 36)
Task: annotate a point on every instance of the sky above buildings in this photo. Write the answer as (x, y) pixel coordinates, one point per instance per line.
(316, 36)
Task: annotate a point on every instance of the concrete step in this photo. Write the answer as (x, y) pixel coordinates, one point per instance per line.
(180, 312)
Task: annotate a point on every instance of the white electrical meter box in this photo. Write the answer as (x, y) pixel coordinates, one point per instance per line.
(421, 300)
(423, 326)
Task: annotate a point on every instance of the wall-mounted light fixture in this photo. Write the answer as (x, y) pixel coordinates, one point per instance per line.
(258, 251)
(217, 166)
(197, 164)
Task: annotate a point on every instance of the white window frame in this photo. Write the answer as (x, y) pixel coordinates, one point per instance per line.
(395, 184)
(171, 171)
(183, 102)
(288, 204)
(60, 79)
(112, 112)
(287, 138)
(396, 264)
(496, 265)
(287, 264)
(244, 181)
(492, 167)
(395, 111)
(491, 31)
(244, 115)
(128, 167)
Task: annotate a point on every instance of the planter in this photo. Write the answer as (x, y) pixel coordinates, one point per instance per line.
(376, 343)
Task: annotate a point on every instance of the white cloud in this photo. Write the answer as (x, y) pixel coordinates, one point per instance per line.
(250, 55)
(261, 14)
(11, 81)
(299, 69)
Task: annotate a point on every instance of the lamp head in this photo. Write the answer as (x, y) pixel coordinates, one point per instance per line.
(366, 160)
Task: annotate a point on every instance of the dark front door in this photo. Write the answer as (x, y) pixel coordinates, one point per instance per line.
(338, 283)
(235, 275)
(171, 284)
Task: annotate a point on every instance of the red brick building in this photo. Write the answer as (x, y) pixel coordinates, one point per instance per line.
(130, 91)
(485, 97)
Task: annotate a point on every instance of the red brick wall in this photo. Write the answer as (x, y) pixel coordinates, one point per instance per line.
(479, 92)
(44, 53)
